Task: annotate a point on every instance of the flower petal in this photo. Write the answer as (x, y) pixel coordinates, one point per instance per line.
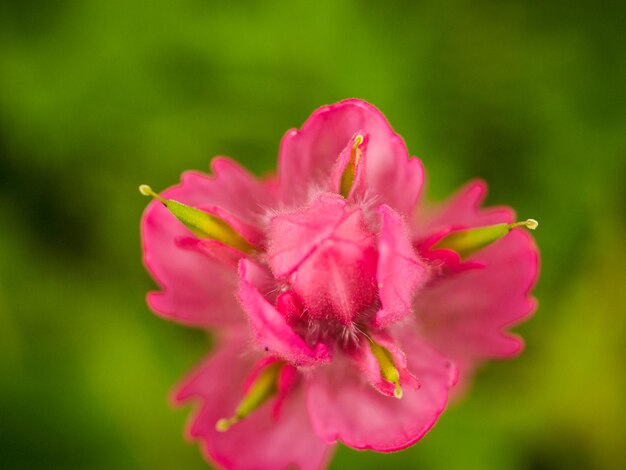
(233, 194)
(295, 235)
(462, 210)
(344, 407)
(270, 329)
(400, 271)
(307, 156)
(469, 325)
(264, 439)
(215, 250)
(196, 289)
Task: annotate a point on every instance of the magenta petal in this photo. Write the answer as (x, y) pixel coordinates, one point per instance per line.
(197, 290)
(400, 271)
(290, 306)
(215, 250)
(270, 329)
(287, 380)
(233, 190)
(462, 210)
(186, 296)
(343, 407)
(307, 156)
(295, 235)
(264, 440)
(470, 325)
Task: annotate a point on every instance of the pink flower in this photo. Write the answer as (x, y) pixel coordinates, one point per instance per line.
(344, 309)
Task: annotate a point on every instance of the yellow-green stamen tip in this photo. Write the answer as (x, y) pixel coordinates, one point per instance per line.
(388, 369)
(147, 191)
(530, 224)
(224, 424)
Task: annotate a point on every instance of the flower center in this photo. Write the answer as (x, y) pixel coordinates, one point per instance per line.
(325, 254)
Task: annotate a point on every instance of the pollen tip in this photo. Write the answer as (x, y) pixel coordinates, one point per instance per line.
(358, 140)
(224, 424)
(531, 224)
(398, 392)
(145, 190)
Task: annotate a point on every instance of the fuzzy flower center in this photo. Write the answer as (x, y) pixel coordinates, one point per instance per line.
(325, 255)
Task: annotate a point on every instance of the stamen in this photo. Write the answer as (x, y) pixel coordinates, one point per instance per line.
(388, 369)
(147, 191)
(467, 242)
(202, 224)
(349, 174)
(264, 388)
(530, 224)
(224, 424)
(358, 140)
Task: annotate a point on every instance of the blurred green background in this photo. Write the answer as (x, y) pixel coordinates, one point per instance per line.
(99, 96)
